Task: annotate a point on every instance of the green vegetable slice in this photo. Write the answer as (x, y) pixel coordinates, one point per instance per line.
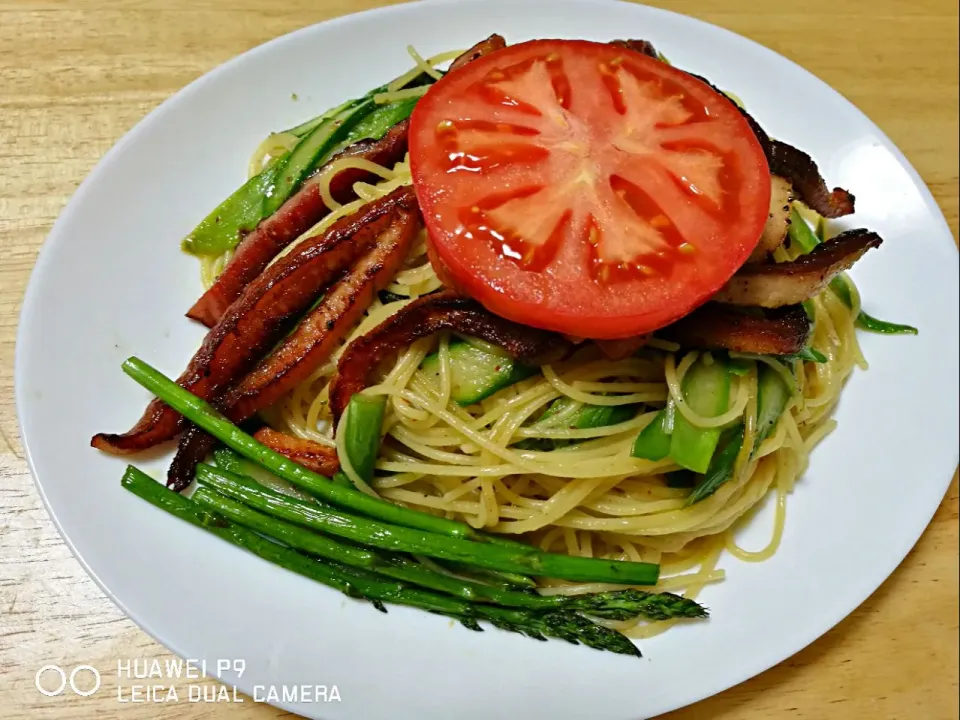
(474, 373)
(653, 442)
(872, 324)
(312, 149)
(721, 465)
(807, 354)
(772, 398)
(362, 427)
(841, 287)
(320, 139)
(706, 389)
(240, 213)
(587, 416)
(800, 233)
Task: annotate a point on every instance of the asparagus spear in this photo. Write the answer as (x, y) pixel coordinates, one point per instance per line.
(653, 442)
(721, 465)
(228, 460)
(617, 605)
(564, 624)
(524, 559)
(201, 413)
(772, 398)
(498, 578)
(363, 424)
(706, 388)
(394, 566)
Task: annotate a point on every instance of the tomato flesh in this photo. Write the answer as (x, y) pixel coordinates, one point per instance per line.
(585, 188)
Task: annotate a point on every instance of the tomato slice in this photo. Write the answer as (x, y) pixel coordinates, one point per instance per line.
(585, 188)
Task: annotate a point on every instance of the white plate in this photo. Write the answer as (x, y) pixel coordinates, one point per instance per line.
(110, 282)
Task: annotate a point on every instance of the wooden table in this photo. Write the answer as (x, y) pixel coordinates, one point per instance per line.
(75, 75)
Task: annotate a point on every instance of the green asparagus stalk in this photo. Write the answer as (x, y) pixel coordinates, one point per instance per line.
(706, 388)
(207, 417)
(884, 327)
(616, 605)
(364, 421)
(396, 567)
(653, 442)
(201, 413)
(721, 465)
(524, 559)
(564, 624)
(773, 395)
(497, 578)
(227, 459)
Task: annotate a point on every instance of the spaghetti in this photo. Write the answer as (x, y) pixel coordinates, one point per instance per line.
(588, 496)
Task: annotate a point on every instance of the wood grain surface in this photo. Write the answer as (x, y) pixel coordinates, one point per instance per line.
(75, 75)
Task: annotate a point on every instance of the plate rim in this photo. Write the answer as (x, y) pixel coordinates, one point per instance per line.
(58, 234)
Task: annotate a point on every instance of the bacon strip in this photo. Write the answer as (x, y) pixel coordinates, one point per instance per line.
(798, 168)
(306, 208)
(794, 165)
(260, 317)
(426, 316)
(722, 327)
(321, 331)
(297, 215)
(758, 131)
(312, 455)
(623, 348)
(484, 47)
(315, 338)
(644, 47)
(788, 283)
(802, 172)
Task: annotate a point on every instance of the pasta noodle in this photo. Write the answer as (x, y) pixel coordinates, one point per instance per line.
(588, 497)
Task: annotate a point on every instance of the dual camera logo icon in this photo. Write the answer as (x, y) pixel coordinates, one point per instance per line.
(65, 680)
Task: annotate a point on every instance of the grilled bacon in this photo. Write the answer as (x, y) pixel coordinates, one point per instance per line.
(297, 215)
(644, 47)
(260, 317)
(484, 47)
(797, 168)
(322, 330)
(315, 338)
(722, 327)
(788, 283)
(312, 455)
(426, 316)
(306, 208)
(622, 348)
(802, 172)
